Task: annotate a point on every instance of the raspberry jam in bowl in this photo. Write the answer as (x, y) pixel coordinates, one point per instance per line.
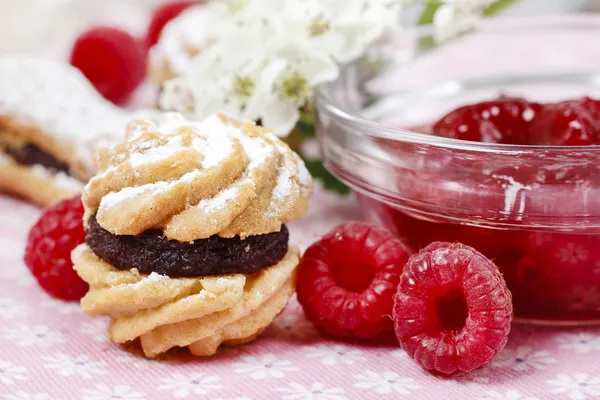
(516, 174)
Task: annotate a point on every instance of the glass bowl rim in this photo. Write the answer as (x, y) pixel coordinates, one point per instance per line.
(325, 102)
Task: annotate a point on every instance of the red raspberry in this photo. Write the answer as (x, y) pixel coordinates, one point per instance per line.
(161, 17)
(346, 281)
(504, 120)
(112, 59)
(570, 123)
(452, 311)
(49, 246)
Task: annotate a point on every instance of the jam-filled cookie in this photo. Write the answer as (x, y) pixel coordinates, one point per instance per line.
(51, 120)
(186, 243)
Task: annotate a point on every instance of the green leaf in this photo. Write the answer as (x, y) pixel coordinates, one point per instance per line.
(306, 124)
(497, 7)
(330, 182)
(430, 9)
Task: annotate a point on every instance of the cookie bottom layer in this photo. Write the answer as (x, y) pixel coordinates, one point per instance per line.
(35, 183)
(200, 313)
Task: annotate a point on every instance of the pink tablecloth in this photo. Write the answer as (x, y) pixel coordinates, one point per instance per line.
(50, 350)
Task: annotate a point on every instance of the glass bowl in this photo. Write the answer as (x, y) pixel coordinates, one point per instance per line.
(534, 210)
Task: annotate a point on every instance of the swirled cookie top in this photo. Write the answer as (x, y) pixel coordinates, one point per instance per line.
(57, 99)
(193, 180)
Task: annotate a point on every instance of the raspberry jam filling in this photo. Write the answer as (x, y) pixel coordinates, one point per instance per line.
(151, 252)
(33, 155)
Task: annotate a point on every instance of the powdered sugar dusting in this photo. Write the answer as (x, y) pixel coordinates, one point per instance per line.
(304, 176)
(284, 185)
(129, 193)
(214, 139)
(219, 201)
(59, 178)
(257, 150)
(218, 136)
(153, 277)
(156, 154)
(59, 99)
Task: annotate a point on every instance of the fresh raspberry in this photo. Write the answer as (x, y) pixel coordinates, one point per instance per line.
(49, 246)
(112, 59)
(504, 120)
(452, 311)
(347, 280)
(570, 123)
(161, 17)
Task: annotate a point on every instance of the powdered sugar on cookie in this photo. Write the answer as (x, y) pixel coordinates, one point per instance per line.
(60, 178)
(198, 179)
(58, 99)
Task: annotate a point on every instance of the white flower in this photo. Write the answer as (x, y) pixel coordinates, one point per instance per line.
(266, 366)
(477, 378)
(10, 309)
(135, 361)
(195, 383)
(74, 366)
(572, 254)
(457, 16)
(334, 355)
(286, 83)
(61, 307)
(220, 79)
(269, 55)
(577, 386)
(22, 395)
(510, 395)
(341, 28)
(522, 358)
(38, 335)
(104, 392)
(386, 382)
(315, 391)
(10, 373)
(96, 329)
(580, 342)
(293, 324)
